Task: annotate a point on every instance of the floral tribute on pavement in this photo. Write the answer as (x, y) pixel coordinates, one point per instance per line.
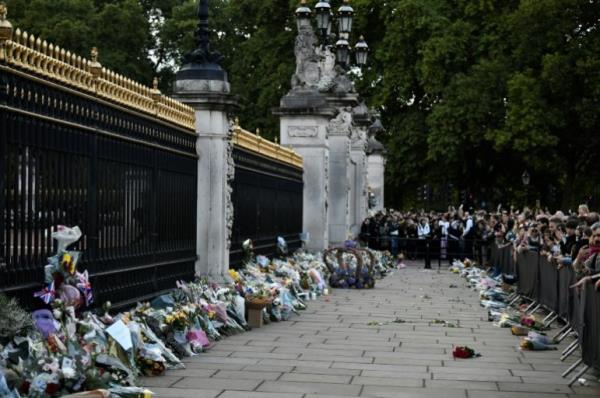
(68, 350)
(494, 294)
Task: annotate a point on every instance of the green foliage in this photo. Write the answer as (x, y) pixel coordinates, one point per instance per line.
(472, 92)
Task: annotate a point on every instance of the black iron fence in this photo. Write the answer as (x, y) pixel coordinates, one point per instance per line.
(267, 199)
(127, 179)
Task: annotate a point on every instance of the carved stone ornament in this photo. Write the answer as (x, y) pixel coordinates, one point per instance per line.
(308, 72)
(342, 83)
(303, 131)
(328, 72)
(342, 123)
(358, 138)
(229, 210)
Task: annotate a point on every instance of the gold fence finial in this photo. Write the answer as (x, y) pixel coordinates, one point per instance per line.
(95, 66)
(236, 123)
(258, 131)
(277, 140)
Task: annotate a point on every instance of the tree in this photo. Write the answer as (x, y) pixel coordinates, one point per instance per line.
(472, 92)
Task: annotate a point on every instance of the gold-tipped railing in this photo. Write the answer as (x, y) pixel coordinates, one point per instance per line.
(255, 143)
(31, 54)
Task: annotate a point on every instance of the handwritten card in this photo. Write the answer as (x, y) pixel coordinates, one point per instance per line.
(121, 334)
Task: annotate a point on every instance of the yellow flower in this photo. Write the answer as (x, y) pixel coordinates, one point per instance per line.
(68, 264)
(234, 275)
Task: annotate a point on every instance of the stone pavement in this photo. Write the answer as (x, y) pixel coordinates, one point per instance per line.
(330, 351)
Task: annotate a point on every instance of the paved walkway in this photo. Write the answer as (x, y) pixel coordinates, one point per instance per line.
(331, 351)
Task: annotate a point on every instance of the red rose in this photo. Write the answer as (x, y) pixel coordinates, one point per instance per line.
(463, 352)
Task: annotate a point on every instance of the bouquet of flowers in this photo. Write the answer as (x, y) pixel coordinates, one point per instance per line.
(531, 322)
(177, 320)
(464, 352)
(533, 344)
(62, 280)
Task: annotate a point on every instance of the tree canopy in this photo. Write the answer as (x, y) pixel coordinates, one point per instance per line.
(472, 92)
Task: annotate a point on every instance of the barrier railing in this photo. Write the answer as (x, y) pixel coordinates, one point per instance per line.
(542, 282)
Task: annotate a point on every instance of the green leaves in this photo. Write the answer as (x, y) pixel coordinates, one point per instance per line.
(472, 92)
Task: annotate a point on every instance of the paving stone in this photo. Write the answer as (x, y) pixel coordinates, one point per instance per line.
(272, 355)
(214, 366)
(398, 381)
(310, 388)
(474, 376)
(295, 362)
(327, 371)
(185, 393)
(246, 394)
(463, 385)
(160, 381)
(400, 392)
(268, 368)
(191, 372)
(504, 394)
(316, 378)
(383, 367)
(227, 360)
(404, 374)
(526, 387)
(405, 361)
(317, 357)
(217, 384)
(323, 396)
(470, 370)
(245, 375)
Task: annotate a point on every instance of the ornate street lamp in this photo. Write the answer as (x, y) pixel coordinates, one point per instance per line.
(324, 20)
(342, 49)
(361, 50)
(303, 15)
(346, 16)
(323, 12)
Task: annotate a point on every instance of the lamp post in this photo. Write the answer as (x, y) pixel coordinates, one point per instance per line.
(325, 20)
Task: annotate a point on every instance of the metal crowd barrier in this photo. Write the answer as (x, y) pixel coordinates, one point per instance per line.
(541, 282)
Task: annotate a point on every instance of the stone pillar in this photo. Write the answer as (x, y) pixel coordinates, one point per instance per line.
(304, 119)
(358, 156)
(339, 130)
(306, 133)
(359, 184)
(203, 84)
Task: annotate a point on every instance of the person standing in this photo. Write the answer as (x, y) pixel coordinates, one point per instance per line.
(468, 236)
(444, 225)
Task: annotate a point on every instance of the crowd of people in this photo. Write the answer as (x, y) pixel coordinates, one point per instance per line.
(572, 238)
